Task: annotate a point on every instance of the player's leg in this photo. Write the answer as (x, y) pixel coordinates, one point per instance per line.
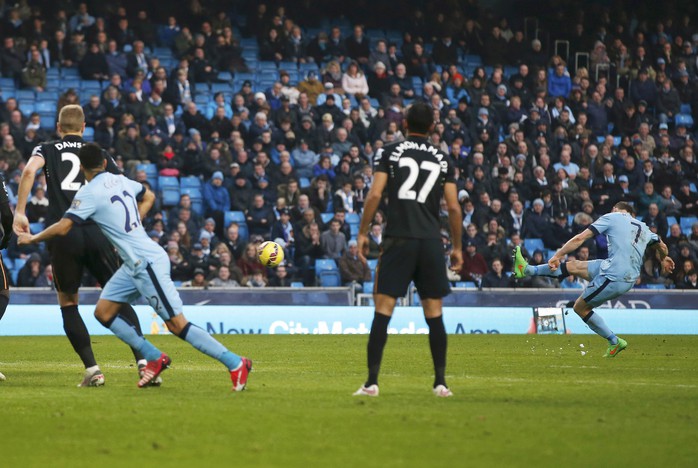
(597, 292)
(102, 262)
(65, 253)
(576, 268)
(4, 297)
(396, 266)
(432, 284)
(121, 289)
(155, 284)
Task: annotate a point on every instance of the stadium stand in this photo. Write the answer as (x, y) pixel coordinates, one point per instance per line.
(572, 129)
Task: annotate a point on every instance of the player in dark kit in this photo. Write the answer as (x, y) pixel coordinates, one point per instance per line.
(416, 175)
(85, 245)
(5, 234)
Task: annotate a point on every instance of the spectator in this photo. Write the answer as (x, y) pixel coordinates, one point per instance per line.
(690, 281)
(10, 156)
(223, 279)
(334, 243)
(34, 73)
(216, 200)
(259, 217)
(249, 264)
(280, 278)
(375, 239)
(37, 208)
(29, 274)
(351, 268)
(474, 264)
(94, 64)
(496, 278)
(198, 281)
(354, 81)
(357, 46)
(557, 233)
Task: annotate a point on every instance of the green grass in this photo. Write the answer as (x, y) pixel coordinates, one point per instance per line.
(519, 401)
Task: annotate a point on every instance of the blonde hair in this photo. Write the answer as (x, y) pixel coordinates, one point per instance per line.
(71, 119)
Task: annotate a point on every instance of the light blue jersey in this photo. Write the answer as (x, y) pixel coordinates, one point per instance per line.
(110, 201)
(627, 240)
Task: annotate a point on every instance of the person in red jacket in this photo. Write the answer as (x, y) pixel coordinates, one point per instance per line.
(474, 264)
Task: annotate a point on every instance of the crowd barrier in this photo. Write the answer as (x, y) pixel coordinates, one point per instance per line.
(33, 313)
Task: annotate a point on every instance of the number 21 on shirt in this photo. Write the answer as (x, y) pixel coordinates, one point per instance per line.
(128, 225)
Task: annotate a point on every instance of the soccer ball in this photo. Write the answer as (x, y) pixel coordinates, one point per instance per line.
(270, 254)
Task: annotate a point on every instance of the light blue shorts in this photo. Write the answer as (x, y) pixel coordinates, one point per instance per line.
(601, 289)
(150, 280)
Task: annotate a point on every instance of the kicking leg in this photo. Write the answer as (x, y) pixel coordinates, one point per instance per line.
(576, 268)
(238, 366)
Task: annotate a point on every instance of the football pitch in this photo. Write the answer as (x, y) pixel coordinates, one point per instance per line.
(519, 401)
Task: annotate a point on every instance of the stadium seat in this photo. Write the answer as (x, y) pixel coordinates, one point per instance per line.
(36, 228)
(372, 265)
(168, 182)
(26, 94)
(88, 134)
(304, 182)
(330, 279)
(685, 109)
(50, 96)
(193, 192)
(655, 286)
(297, 284)
(686, 223)
(533, 244)
(170, 196)
(7, 82)
(190, 182)
(198, 207)
(368, 287)
(234, 217)
(684, 119)
(243, 231)
(48, 122)
(326, 217)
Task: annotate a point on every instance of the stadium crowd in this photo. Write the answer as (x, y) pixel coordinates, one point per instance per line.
(278, 111)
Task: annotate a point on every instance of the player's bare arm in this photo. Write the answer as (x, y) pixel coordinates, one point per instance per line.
(146, 203)
(455, 221)
(569, 247)
(60, 228)
(373, 199)
(21, 223)
(662, 252)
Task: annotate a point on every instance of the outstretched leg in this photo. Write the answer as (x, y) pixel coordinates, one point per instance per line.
(576, 268)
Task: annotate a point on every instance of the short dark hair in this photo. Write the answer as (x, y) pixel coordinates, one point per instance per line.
(420, 118)
(91, 156)
(625, 206)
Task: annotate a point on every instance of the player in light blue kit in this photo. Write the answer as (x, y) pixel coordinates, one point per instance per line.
(628, 239)
(117, 205)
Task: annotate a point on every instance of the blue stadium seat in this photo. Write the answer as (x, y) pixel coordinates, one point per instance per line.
(36, 228)
(50, 96)
(304, 182)
(326, 217)
(297, 284)
(48, 122)
(225, 76)
(7, 82)
(686, 223)
(26, 95)
(234, 217)
(68, 83)
(330, 279)
(533, 244)
(372, 265)
(684, 119)
(654, 286)
(686, 109)
(193, 192)
(45, 106)
(168, 182)
(7, 92)
(170, 196)
(88, 134)
(368, 287)
(151, 170)
(243, 231)
(198, 207)
(190, 182)
(70, 73)
(8, 262)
